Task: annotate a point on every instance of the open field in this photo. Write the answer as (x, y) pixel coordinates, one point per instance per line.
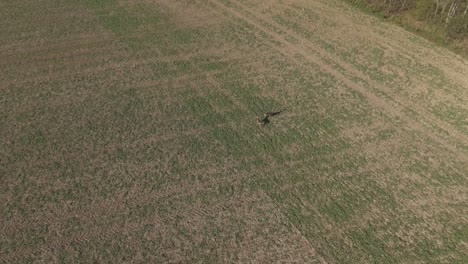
(128, 134)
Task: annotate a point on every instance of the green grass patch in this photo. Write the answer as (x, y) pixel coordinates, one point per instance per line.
(454, 115)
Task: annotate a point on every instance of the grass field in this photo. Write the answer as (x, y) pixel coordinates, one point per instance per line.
(128, 135)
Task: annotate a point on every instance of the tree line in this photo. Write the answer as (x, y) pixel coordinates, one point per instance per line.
(448, 18)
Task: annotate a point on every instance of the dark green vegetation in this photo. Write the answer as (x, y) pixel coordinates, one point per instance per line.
(129, 135)
(442, 21)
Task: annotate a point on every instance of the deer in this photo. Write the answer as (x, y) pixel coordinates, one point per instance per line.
(266, 116)
(262, 122)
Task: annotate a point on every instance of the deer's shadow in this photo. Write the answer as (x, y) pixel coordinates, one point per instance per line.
(270, 114)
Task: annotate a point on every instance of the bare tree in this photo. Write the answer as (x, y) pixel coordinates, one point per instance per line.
(452, 11)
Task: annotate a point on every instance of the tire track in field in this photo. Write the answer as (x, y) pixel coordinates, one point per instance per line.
(84, 70)
(81, 64)
(29, 47)
(65, 58)
(375, 100)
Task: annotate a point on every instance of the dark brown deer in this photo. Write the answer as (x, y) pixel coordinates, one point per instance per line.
(266, 116)
(262, 122)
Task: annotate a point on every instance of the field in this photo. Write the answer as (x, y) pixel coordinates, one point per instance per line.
(128, 135)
